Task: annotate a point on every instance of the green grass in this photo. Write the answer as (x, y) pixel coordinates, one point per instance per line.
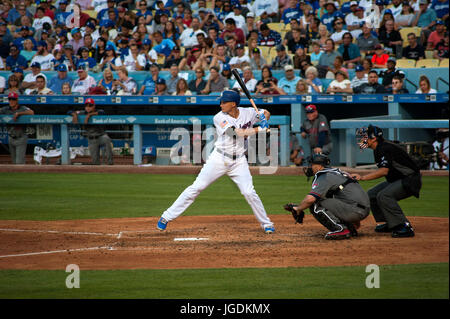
(399, 281)
(36, 196)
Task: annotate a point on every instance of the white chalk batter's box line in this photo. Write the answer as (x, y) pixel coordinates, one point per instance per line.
(110, 247)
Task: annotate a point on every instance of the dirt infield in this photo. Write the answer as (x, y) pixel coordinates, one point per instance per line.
(222, 242)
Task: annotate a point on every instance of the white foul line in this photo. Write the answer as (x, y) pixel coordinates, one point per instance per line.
(190, 239)
(56, 251)
(55, 232)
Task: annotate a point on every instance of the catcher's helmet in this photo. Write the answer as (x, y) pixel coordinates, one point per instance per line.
(321, 160)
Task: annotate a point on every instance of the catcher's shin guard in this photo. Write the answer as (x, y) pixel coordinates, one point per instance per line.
(327, 219)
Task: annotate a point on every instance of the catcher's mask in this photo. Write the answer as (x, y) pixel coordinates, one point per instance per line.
(364, 133)
(320, 159)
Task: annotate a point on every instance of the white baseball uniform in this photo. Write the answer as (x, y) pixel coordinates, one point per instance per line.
(221, 162)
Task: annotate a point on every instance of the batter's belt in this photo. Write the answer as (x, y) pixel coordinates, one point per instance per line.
(233, 157)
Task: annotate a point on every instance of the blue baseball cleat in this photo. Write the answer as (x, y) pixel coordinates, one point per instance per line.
(269, 229)
(162, 224)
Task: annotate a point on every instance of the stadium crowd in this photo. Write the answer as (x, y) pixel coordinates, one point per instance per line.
(308, 40)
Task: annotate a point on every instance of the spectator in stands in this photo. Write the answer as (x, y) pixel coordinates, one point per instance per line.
(56, 82)
(182, 88)
(315, 128)
(396, 86)
(425, 18)
(316, 53)
(86, 59)
(237, 16)
(414, 50)
(339, 29)
(436, 36)
(13, 85)
(206, 57)
(331, 13)
(161, 87)
(198, 84)
(241, 59)
(355, 20)
(142, 10)
(24, 33)
(268, 37)
(15, 59)
(301, 87)
(391, 38)
(189, 36)
(282, 59)
(406, 17)
(69, 58)
(289, 81)
(110, 60)
(267, 84)
(314, 85)
(84, 82)
(106, 83)
(40, 18)
(441, 50)
(231, 30)
(2, 84)
(17, 138)
(28, 53)
(386, 17)
(349, 51)
(41, 87)
(173, 79)
(424, 86)
(250, 24)
(163, 47)
(149, 85)
(296, 40)
(367, 41)
(372, 86)
(124, 85)
(29, 82)
(249, 81)
(134, 61)
(360, 77)
(190, 60)
(307, 18)
(380, 58)
(367, 65)
(174, 58)
(269, 7)
(77, 40)
(300, 56)
(327, 58)
(257, 61)
(216, 82)
(340, 84)
(291, 12)
(226, 72)
(390, 72)
(441, 8)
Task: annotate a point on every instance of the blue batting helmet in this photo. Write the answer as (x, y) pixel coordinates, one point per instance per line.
(230, 96)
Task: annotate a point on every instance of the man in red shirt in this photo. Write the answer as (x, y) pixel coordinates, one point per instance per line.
(232, 30)
(436, 36)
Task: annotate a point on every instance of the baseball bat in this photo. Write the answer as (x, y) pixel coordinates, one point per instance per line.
(238, 78)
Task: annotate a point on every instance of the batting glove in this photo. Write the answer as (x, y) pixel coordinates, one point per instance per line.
(264, 124)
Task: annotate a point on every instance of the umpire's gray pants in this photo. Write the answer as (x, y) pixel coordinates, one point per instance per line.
(384, 199)
(334, 213)
(18, 149)
(94, 149)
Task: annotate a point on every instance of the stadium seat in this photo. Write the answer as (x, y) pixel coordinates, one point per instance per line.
(427, 63)
(91, 13)
(287, 27)
(272, 54)
(161, 60)
(264, 52)
(406, 63)
(276, 26)
(429, 54)
(405, 31)
(444, 63)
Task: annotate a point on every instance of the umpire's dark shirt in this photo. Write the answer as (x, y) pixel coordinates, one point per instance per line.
(392, 156)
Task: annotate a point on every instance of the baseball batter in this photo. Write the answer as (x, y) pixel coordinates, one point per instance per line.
(233, 125)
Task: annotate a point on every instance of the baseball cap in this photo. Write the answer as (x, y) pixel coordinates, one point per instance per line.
(251, 15)
(440, 22)
(353, 3)
(194, 49)
(81, 67)
(13, 95)
(392, 59)
(379, 3)
(160, 81)
(89, 101)
(2, 23)
(109, 47)
(42, 44)
(230, 96)
(299, 46)
(90, 25)
(17, 70)
(226, 67)
(423, 2)
(68, 46)
(310, 108)
(176, 48)
(84, 49)
(359, 68)
(288, 67)
(359, 9)
(256, 50)
(147, 41)
(378, 47)
(24, 28)
(63, 2)
(75, 30)
(61, 68)
(388, 11)
(240, 46)
(35, 65)
(280, 47)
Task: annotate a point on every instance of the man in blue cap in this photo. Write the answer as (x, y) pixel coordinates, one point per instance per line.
(14, 59)
(360, 77)
(29, 82)
(43, 57)
(233, 125)
(24, 32)
(55, 84)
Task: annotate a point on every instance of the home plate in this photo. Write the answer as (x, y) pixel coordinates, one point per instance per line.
(189, 239)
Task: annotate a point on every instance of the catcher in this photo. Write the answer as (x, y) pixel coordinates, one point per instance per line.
(337, 201)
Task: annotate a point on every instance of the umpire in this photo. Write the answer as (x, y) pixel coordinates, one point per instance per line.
(17, 138)
(96, 134)
(336, 200)
(403, 179)
(316, 129)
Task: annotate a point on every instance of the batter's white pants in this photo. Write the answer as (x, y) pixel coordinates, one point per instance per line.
(216, 166)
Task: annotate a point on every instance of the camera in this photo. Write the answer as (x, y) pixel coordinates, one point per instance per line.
(266, 84)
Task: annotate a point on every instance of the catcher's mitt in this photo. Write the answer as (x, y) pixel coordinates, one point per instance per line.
(297, 215)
